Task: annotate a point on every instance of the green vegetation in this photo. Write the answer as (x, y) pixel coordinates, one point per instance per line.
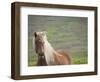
(32, 59)
(79, 58)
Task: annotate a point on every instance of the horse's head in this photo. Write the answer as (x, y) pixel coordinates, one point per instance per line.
(40, 38)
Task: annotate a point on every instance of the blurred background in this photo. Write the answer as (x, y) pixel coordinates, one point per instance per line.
(65, 33)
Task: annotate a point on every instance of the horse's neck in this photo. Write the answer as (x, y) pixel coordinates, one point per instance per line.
(49, 53)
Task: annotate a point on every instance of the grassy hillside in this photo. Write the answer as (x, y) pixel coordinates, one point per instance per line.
(66, 33)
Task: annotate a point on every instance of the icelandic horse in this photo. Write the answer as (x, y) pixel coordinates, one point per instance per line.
(46, 54)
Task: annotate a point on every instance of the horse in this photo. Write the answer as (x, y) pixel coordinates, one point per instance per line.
(47, 55)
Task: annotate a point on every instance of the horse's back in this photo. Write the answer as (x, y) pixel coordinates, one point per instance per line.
(62, 58)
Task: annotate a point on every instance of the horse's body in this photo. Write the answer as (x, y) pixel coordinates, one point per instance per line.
(46, 54)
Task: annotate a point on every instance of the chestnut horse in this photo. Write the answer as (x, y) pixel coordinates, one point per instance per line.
(46, 54)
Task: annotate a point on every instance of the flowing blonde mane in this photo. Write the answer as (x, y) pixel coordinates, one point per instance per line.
(48, 52)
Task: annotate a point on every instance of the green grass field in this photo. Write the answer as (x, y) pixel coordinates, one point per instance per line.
(79, 59)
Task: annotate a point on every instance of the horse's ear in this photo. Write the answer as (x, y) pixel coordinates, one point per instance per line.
(35, 34)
